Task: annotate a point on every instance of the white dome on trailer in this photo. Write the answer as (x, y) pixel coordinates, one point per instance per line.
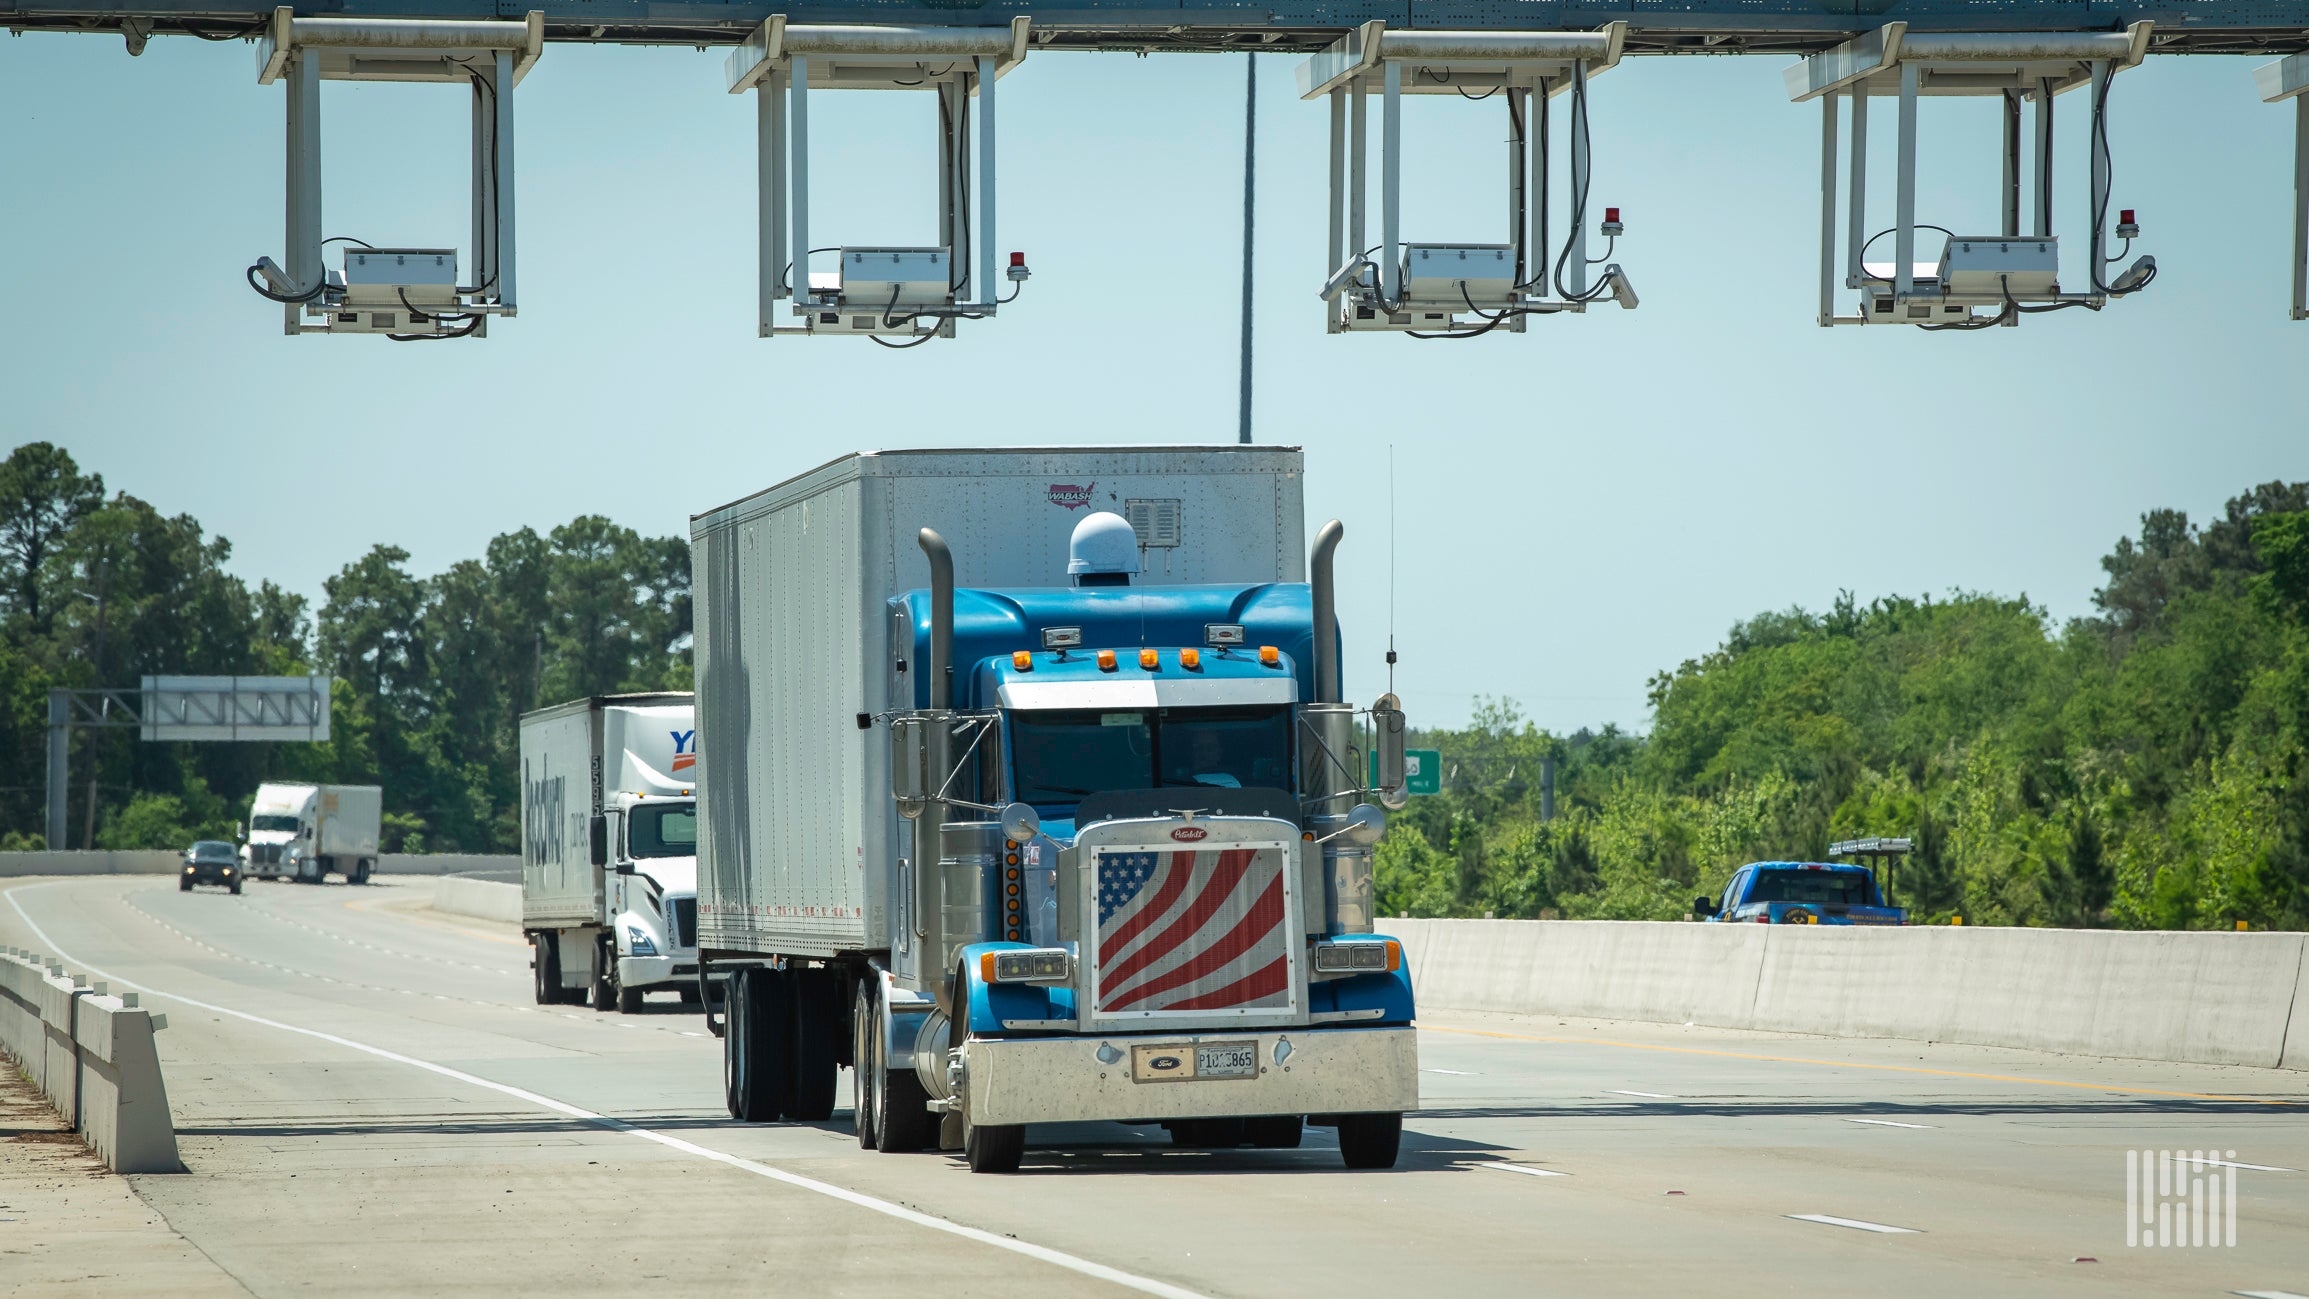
(1103, 543)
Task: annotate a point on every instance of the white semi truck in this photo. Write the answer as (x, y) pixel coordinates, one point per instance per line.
(609, 849)
(302, 832)
(1028, 791)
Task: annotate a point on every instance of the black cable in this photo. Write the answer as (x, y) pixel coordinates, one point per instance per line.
(900, 347)
(290, 299)
(1864, 275)
(470, 326)
(786, 277)
(2101, 199)
(1523, 193)
(346, 239)
(496, 189)
(1579, 198)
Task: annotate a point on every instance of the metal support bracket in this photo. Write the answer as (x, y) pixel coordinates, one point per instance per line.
(1463, 289)
(404, 292)
(911, 293)
(2288, 78)
(1978, 280)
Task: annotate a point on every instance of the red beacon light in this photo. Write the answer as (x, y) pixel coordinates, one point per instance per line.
(2127, 227)
(1611, 223)
(1018, 269)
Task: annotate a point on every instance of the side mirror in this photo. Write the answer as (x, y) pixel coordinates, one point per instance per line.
(1020, 823)
(1390, 733)
(1704, 907)
(599, 835)
(1366, 825)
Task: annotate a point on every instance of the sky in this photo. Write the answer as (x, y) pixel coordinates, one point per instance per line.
(1550, 517)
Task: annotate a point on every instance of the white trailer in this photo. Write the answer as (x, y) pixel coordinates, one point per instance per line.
(609, 849)
(302, 832)
(924, 678)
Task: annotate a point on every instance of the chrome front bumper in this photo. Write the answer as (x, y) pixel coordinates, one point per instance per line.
(1076, 1079)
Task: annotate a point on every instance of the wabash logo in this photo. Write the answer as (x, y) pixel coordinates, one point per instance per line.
(1190, 834)
(1070, 496)
(685, 750)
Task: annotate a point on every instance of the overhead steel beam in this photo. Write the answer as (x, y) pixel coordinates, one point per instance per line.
(1300, 26)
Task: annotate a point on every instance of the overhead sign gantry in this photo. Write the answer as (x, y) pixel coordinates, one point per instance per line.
(2280, 81)
(1460, 290)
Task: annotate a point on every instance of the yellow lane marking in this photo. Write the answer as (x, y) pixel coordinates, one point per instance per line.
(1851, 1064)
(365, 904)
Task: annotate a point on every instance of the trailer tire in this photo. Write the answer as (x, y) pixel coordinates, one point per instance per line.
(817, 1032)
(1275, 1132)
(755, 1048)
(994, 1148)
(1370, 1140)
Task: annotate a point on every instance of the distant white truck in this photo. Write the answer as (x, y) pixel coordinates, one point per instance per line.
(609, 849)
(302, 832)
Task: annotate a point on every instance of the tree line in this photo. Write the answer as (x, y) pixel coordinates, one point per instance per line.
(431, 673)
(2144, 767)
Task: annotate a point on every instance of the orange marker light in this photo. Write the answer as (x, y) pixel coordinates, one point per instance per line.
(1191, 659)
(1269, 656)
(1106, 660)
(1394, 955)
(1149, 660)
(1022, 661)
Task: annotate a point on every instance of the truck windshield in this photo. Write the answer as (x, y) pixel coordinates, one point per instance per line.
(1831, 888)
(273, 821)
(670, 830)
(1060, 756)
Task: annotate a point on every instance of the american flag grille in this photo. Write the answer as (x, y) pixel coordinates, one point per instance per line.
(1192, 931)
(681, 921)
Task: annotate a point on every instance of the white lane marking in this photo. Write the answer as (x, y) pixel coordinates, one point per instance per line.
(1525, 1169)
(1650, 1096)
(2231, 1163)
(1889, 1123)
(2270, 1294)
(1463, 1073)
(1853, 1223)
(1145, 1285)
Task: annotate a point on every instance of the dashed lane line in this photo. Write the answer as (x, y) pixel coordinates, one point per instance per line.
(1058, 1258)
(1889, 1123)
(1855, 1224)
(1854, 1064)
(1525, 1169)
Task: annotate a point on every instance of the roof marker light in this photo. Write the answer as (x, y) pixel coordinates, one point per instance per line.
(1191, 659)
(1022, 661)
(1149, 660)
(1270, 657)
(1106, 660)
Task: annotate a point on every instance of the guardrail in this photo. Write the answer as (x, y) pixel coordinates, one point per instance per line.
(92, 1054)
(2201, 997)
(483, 899)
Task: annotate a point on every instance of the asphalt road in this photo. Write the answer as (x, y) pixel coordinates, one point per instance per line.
(370, 1103)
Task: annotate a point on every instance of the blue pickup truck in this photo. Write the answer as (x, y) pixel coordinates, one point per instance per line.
(1801, 893)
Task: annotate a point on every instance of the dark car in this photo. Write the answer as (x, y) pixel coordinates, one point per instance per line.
(211, 862)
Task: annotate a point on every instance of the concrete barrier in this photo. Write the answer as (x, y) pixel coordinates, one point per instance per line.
(92, 1054)
(485, 899)
(167, 861)
(2211, 998)
(93, 861)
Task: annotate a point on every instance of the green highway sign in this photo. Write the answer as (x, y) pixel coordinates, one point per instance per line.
(1422, 770)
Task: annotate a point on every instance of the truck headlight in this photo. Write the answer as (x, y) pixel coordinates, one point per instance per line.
(638, 943)
(1034, 965)
(1358, 958)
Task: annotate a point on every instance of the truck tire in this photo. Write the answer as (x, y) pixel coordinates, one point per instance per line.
(994, 1148)
(360, 872)
(184, 884)
(755, 1051)
(1370, 1140)
(1275, 1132)
(628, 999)
(235, 886)
(816, 1044)
(604, 989)
(903, 1122)
(866, 1051)
(547, 970)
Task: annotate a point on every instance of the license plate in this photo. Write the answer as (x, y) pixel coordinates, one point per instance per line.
(1199, 1063)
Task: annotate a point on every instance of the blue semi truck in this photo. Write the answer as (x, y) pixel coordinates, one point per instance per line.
(1801, 893)
(1028, 790)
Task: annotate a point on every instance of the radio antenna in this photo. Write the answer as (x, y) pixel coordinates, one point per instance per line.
(1390, 568)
